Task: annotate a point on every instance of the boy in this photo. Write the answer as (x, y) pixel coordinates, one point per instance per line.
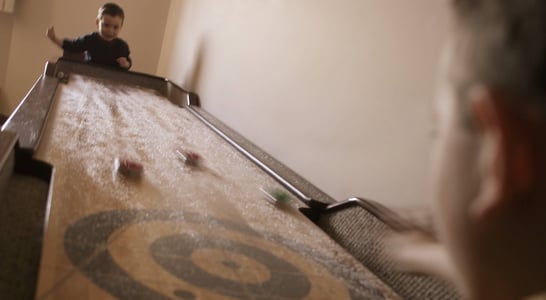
(101, 47)
(489, 164)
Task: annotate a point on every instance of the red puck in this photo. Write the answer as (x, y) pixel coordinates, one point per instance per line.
(189, 157)
(128, 167)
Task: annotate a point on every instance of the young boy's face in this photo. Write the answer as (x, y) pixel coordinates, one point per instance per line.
(109, 27)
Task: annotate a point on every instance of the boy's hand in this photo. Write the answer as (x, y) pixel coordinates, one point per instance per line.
(123, 62)
(50, 33)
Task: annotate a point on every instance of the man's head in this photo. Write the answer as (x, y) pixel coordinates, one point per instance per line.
(110, 20)
(489, 166)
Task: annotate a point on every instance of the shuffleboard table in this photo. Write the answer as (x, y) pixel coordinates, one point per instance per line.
(210, 229)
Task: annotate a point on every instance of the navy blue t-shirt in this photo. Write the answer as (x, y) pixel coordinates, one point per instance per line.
(98, 50)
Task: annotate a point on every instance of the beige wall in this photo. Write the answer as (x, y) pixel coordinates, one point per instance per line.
(6, 27)
(340, 91)
(30, 49)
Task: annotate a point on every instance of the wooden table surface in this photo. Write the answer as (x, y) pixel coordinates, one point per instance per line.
(179, 232)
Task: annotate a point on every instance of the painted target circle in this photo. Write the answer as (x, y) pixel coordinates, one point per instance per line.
(243, 264)
(230, 265)
(172, 252)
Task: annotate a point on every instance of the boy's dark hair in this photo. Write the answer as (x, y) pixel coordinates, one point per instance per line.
(111, 9)
(502, 43)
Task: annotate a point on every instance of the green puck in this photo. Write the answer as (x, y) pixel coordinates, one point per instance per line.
(280, 196)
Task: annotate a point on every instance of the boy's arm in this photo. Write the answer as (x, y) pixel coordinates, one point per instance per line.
(124, 60)
(53, 37)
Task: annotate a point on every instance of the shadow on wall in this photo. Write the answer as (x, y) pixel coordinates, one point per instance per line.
(3, 105)
(194, 75)
(3, 119)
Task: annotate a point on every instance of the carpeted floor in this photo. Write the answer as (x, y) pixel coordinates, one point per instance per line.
(22, 216)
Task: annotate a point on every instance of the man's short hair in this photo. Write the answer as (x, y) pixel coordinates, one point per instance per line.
(111, 9)
(501, 43)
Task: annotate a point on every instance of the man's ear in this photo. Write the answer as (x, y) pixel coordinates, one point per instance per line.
(97, 22)
(506, 161)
